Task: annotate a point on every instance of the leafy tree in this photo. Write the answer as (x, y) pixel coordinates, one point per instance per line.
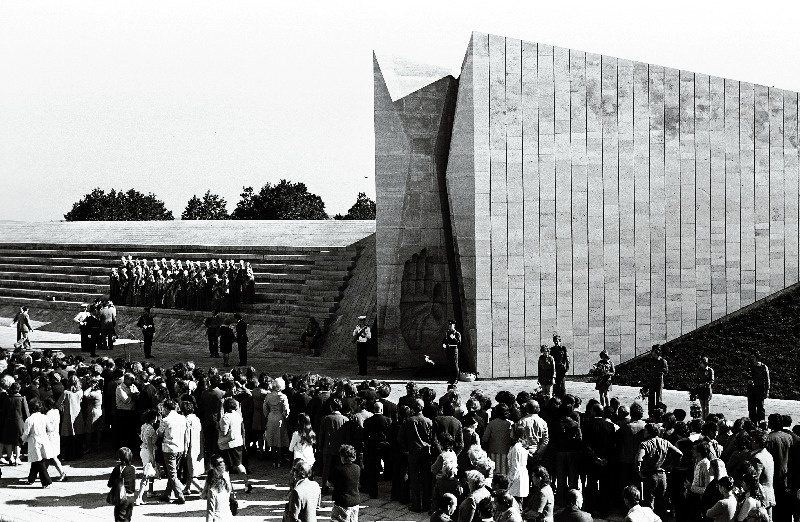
(211, 206)
(118, 206)
(364, 208)
(285, 200)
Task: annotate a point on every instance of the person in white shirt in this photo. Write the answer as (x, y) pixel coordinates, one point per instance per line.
(361, 335)
(173, 431)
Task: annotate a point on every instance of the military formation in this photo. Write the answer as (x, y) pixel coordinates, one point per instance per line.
(191, 285)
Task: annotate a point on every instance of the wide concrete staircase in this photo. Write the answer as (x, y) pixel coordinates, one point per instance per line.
(292, 282)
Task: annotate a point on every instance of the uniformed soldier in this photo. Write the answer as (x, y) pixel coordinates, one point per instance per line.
(451, 345)
(361, 335)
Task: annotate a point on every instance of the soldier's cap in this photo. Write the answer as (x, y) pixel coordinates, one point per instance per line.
(84, 305)
(451, 321)
(362, 317)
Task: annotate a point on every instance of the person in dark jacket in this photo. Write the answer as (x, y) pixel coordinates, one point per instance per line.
(334, 433)
(241, 339)
(376, 447)
(226, 339)
(127, 473)
(92, 328)
(573, 513)
(345, 478)
(148, 331)
(416, 438)
(15, 410)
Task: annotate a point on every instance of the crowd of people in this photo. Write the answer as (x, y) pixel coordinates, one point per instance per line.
(538, 454)
(189, 285)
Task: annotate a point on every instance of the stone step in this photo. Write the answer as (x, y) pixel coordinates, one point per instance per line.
(266, 254)
(60, 295)
(66, 286)
(55, 276)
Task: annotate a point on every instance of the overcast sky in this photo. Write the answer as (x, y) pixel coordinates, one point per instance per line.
(176, 97)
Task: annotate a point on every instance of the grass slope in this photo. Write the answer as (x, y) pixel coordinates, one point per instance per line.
(771, 326)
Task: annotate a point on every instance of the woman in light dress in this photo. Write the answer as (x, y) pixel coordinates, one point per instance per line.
(72, 427)
(303, 440)
(149, 438)
(93, 410)
(34, 432)
(519, 483)
(276, 410)
(53, 428)
(195, 463)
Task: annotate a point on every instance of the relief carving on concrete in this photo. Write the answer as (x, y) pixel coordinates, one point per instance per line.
(423, 302)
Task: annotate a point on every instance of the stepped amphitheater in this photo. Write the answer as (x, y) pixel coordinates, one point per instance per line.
(324, 269)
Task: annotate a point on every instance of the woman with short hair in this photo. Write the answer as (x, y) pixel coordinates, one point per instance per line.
(127, 473)
(276, 411)
(231, 438)
(345, 478)
(542, 504)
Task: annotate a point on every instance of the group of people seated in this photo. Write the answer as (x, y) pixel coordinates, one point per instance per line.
(189, 285)
(514, 456)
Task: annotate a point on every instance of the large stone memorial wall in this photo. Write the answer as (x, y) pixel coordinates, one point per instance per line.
(618, 203)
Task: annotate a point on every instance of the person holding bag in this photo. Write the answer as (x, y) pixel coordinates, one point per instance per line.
(123, 486)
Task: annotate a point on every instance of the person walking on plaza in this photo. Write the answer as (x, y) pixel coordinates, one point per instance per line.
(451, 345)
(547, 371)
(148, 327)
(304, 495)
(23, 322)
(213, 324)
(655, 378)
(757, 388)
(705, 380)
(241, 338)
(108, 322)
(561, 357)
(39, 449)
(124, 472)
(361, 335)
(231, 438)
(172, 432)
(80, 320)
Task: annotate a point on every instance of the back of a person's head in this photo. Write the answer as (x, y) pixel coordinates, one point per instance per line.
(637, 411)
(631, 494)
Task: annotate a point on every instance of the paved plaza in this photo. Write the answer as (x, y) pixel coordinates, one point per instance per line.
(82, 496)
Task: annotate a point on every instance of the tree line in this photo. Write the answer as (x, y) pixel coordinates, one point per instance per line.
(283, 200)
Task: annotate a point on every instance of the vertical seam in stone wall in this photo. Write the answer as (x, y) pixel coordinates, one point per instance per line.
(508, 276)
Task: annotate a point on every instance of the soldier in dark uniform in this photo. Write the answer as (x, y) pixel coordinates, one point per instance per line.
(213, 324)
(451, 345)
(92, 327)
(361, 335)
(561, 357)
(757, 388)
(241, 339)
(148, 327)
(655, 378)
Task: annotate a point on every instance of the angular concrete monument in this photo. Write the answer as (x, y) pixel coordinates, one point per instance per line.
(546, 190)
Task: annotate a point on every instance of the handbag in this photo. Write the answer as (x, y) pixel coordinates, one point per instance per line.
(118, 494)
(234, 503)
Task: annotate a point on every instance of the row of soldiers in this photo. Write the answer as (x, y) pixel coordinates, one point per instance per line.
(193, 285)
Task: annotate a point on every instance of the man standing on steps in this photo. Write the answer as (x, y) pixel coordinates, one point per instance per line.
(148, 330)
(108, 321)
(361, 335)
(451, 344)
(213, 325)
